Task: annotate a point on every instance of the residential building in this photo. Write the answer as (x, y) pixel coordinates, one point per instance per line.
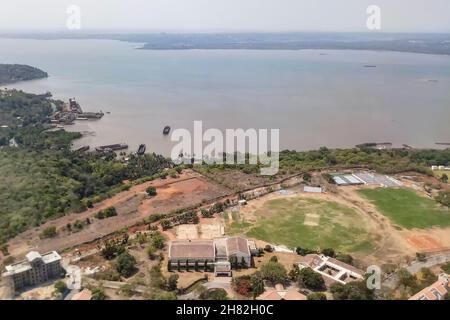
(437, 291)
(332, 270)
(280, 293)
(84, 295)
(35, 269)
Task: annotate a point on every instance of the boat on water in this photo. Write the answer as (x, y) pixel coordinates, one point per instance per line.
(141, 149)
(370, 66)
(82, 149)
(166, 130)
(112, 147)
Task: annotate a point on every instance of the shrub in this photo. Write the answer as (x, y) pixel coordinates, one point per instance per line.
(310, 279)
(317, 296)
(98, 294)
(304, 251)
(446, 267)
(151, 191)
(126, 265)
(329, 252)
(274, 272)
(214, 294)
(60, 287)
(165, 224)
(346, 258)
(172, 282)
(421, 257)
(49, 232)
(106, 213)
(151, 250)
(243, 285)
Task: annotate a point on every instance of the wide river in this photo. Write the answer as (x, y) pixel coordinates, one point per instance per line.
(315, 97)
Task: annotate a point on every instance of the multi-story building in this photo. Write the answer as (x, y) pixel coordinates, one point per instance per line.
(35, 269)
(220, 253)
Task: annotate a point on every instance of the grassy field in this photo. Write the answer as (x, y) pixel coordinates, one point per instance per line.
(328, 225)
(408, 209)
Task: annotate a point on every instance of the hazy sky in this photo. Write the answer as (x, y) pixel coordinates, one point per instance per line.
(227, 15)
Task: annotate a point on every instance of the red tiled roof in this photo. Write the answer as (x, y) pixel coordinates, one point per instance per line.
(237, 244)
(86, 294)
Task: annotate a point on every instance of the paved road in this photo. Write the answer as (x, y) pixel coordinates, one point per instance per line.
(415, 267)
(431, 261)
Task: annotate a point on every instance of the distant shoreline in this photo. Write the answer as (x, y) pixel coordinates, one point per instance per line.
(438, 44)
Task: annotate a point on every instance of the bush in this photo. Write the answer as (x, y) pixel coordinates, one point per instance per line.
(214, 294)
(49, 232)
(329, 252)
(304, 251)
(356, 290)
(310, 279)
(317, 296)
(446, 267)
(106, 213)
(346, 258)
(151, 191)
(274, 259)
(157, 240)
(207, 213)
(108, 275)
(98, 294)
(274, 272)
(268, 248)
(112, 249)
(421, 257)
(151, 250)
(243, 285)
(172, 282)
(60, 287)
(126, 265)
(165, 224)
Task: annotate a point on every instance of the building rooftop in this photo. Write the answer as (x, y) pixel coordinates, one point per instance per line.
(187, 249)
(436, 291)
(237, 245)
(86, 294)
(33, 255)
(25, 264)
(280, 293)
(332, 270)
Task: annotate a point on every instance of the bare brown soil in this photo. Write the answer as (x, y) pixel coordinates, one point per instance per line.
(132, 207)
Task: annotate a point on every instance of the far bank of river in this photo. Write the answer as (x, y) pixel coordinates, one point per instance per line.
(314, 97)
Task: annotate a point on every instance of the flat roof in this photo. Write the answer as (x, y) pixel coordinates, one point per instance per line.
(25, 265)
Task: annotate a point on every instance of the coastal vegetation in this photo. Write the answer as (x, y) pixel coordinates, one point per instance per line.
(408, 209)
(42, 178)
(10, 73)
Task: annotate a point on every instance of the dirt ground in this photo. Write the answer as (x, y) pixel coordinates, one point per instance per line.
(132, 206)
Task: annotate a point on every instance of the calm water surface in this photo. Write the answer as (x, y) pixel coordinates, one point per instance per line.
(315, 97)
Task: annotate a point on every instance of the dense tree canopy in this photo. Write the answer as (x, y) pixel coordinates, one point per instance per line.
(42, 177)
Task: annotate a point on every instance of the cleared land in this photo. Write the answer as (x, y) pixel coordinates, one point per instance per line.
(132, 207)
(407, 209)
(309, 223)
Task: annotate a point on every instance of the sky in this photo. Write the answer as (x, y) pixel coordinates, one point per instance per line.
(226, 15)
